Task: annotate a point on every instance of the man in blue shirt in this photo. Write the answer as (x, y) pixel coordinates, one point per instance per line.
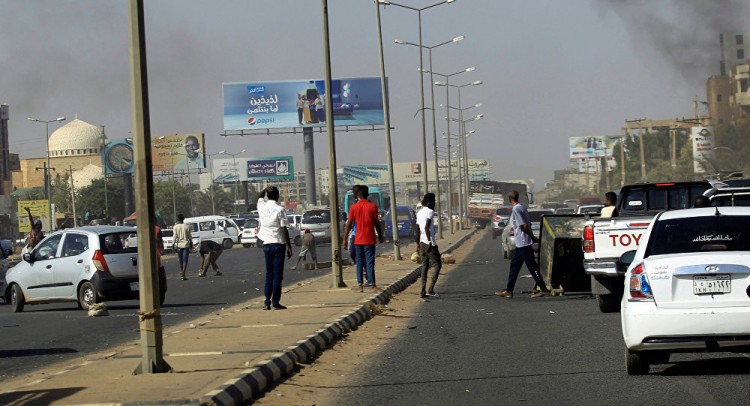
(524, 252)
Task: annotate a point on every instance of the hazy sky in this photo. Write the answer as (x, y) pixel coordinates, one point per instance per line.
(551, 69)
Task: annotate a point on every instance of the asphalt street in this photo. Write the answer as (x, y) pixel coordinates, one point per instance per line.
(45, 334)
(470, 347)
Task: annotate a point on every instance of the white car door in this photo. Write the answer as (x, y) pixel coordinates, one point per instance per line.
(72, 264)
(39, 281)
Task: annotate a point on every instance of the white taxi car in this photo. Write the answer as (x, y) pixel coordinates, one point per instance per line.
(687, 288)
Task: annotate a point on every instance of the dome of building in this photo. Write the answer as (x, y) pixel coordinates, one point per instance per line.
(76, 138)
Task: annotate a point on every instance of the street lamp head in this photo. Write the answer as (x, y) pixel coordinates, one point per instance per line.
(478, 105)
(60, 118)
(399, 41)
(476, 82)
(221, 152)
(242, 151)
(449, 1)
(479, 117)
(471, 69)
(32, 119)
(384, 2)
(162, 137)
(440, 84)
(459, 38)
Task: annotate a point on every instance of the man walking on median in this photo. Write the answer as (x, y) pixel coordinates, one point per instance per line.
(182, 243)
(524, 252)
(364, 215)
(276, 244)
(426, 244)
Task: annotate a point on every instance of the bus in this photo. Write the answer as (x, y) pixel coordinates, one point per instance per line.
(376, 197)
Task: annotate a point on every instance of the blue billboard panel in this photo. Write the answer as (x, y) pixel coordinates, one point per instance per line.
(270, 168)
(301, 103)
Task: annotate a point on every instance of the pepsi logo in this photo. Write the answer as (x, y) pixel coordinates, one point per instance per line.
(251, 120)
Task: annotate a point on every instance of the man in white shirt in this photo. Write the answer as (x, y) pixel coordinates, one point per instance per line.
(274, 234)
(426, 244)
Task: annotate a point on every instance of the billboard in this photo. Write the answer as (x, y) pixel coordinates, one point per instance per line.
(703, 147)
(270, 168)
(591, 147)
(178, 152)
(117, 156)
(39, 209)
(301, 103)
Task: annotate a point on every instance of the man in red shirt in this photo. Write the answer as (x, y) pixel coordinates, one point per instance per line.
(364, 215)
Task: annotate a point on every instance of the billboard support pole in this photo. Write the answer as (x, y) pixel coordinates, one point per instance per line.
(309, 150)
(333, 196)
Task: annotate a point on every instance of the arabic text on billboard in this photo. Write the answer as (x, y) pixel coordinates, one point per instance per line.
(39, 210)
(703, 147)
(178, 152)
(591, 147)
(301, 103)
(270, 168)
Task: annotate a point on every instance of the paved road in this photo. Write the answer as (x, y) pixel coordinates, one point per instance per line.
(470, 347)
(44, 334)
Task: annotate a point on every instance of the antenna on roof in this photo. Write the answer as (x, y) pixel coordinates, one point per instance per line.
(717, 211)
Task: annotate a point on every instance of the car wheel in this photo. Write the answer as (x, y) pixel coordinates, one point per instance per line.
(635, 364)
(227, 244)
(87, 295)
(608, 303)
(162, 296)
(16, 299)
(247, 245)
(297, 241)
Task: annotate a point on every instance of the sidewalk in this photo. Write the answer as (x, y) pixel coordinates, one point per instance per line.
(229, 357)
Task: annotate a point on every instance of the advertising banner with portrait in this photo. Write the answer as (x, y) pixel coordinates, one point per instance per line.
(178, 152)
(301, 103)
(591, 147)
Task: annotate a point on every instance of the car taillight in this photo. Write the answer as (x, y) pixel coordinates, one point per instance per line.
(640, 289)
(496, 218)
(99, 262)
(588, 239)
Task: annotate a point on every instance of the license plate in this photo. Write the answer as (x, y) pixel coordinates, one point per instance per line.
(707, 284)
(134, 286)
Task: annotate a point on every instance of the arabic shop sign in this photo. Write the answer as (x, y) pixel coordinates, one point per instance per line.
(270, 168)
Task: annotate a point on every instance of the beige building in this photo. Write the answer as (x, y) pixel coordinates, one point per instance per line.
(75, 145)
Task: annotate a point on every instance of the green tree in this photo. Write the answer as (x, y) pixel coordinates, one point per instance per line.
(91, 199)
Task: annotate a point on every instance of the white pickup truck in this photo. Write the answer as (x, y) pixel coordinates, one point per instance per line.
(606, 239)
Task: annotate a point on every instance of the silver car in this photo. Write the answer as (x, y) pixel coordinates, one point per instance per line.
(86, 265)
(318, 221)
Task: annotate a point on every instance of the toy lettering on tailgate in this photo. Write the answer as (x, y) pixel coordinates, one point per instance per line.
(625, 240)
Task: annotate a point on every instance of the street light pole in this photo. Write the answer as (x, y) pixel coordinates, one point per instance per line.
(47, 177)
(434, 124)
(211, 174)
(421, 79)
(236, 176)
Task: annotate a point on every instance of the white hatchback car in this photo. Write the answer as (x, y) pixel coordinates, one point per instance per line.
(687, 286)
(85, 265)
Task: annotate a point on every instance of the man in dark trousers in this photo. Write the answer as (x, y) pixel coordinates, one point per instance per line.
(426, 244)
(524, 252)
(364, 215)
(210, 252)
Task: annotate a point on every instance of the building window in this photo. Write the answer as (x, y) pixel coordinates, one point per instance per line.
(743, 85)
(740, 53)
(739, 39)
(718, 98)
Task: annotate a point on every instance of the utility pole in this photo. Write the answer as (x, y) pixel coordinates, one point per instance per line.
(73, 195)
(640, 138)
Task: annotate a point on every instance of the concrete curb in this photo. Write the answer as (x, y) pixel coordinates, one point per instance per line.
(251, 383)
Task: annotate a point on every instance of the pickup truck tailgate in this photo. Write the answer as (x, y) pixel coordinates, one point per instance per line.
(611, 239)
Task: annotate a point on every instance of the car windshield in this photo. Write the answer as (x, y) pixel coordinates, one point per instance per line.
(251, 223)
(239, 222)
(316, 217)
(402, 214)
(700, 234)
(123, 242)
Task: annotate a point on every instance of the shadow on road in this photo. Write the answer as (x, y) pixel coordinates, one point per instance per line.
(33, 352)
(41, 397)
(718, 366)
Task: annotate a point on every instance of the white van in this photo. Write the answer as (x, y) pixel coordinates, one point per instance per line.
(219, 229)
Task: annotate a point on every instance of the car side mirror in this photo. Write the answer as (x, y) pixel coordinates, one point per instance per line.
(627, 258)
(27, 257)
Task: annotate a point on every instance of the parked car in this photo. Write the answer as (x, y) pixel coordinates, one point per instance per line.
(86, 265)
(318, 221)
(249, 235)
(219, 229)
(294, 220)
(687, 286)
(167, 237)
(406, 220)
(508, 241)
(500, 219)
